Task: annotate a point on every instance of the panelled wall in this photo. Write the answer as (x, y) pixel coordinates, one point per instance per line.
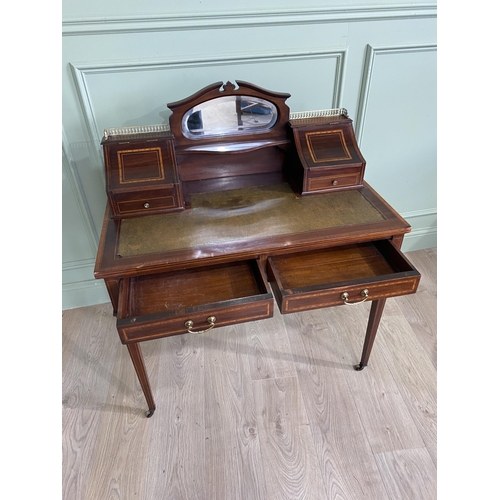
(121, 67)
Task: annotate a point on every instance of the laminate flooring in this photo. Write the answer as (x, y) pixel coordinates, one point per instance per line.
(264, 410)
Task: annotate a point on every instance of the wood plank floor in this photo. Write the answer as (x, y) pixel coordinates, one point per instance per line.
(265, 410)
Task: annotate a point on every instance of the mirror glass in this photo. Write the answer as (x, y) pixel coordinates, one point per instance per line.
(229, 115)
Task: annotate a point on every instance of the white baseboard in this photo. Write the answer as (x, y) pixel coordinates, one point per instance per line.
(84, 293)
(420, 239)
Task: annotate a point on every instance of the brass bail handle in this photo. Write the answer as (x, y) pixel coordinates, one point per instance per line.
(210, 320)
(345, 298)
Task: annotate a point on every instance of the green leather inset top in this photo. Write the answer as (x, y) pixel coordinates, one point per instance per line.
(243, 214)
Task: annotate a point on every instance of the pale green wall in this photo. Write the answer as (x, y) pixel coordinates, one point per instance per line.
(123, 61)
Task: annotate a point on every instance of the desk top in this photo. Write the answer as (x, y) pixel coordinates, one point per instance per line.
(242, 223)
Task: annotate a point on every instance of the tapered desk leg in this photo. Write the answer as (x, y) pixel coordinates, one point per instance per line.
(371, 331)
(138, 361)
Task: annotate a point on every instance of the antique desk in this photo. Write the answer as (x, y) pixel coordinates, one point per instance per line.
(209, 223)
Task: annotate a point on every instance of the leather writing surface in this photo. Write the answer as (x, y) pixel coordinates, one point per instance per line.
(243, 214)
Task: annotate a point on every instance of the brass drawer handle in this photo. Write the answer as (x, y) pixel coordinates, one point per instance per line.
(146, 205)
(345, 297)
(335, 182)
(210, 320)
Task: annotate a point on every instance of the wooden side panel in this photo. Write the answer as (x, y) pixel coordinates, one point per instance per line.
(202, 166)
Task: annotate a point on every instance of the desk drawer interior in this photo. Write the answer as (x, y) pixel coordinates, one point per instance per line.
(318, 278)
(159, 305)
(180, 290)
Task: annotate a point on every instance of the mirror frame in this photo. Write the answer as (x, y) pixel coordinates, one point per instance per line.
(277, 132)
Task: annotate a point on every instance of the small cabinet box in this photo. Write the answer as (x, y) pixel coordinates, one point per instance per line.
(141, 173)
(326, 156)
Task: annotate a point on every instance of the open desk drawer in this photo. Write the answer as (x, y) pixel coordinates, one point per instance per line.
(321, 278)
(160, 305)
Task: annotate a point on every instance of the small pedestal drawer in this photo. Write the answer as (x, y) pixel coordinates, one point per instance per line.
(147, 201)
(193, 300)
(340, 275)
(326, 179)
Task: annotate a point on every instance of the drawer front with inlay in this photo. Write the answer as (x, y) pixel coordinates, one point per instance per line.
(334, 179)
(192, 301)
(341, 275)
(147, 201)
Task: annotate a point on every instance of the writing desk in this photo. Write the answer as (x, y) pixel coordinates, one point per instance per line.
(238, 203)
(228, 257)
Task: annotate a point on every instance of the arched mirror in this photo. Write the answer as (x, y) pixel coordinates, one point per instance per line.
(223, 118)
(229, 115)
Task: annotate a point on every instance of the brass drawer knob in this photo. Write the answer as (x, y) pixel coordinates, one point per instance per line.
(345, 297)
(335, 183)
(210, 320)
(146, 205)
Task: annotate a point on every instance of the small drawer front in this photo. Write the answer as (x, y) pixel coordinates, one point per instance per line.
(192, 301)
(334, 179)
(146, 201)
(336, 276)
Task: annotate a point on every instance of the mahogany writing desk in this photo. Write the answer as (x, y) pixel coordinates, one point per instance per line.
(233, 244)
